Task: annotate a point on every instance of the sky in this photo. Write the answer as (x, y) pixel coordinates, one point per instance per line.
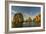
(26, 11)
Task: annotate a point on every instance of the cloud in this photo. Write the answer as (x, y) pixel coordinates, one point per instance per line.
(26, 15)
(13, 12)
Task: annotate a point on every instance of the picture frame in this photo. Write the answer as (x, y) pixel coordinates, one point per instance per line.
(9, 4)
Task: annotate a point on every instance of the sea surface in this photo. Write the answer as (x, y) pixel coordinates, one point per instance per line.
(28, 24)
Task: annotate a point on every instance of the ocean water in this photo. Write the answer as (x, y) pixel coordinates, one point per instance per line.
(28, 24)
(31, 24)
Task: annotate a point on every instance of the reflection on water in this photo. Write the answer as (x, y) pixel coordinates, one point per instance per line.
(26, 24)
(29, 24)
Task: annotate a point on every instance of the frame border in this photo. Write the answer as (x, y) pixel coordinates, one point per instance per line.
(21, 2)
